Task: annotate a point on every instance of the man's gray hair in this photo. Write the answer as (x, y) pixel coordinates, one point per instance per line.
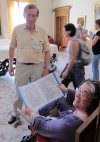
(30, 6)
(92, 90)
(80, 18)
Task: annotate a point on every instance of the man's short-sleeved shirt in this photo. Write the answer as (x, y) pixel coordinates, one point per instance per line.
(31, 47)
(84, 31)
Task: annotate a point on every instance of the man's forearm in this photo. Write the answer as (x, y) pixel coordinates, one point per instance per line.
(11, 56)
(47, 59)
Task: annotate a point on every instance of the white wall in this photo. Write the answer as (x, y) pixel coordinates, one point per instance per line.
(79, 8)
(45, 19)
(46, 15)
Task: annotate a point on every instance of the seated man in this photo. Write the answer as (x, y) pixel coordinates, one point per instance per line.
(62, 128)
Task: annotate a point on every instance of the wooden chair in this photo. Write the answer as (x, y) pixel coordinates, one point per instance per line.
(86, 132)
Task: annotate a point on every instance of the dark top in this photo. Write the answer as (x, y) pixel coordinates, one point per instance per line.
(96, 47)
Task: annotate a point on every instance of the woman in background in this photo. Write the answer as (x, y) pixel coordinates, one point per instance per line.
(74, 69)
(96, 51)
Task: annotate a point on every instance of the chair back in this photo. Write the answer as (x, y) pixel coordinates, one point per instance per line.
(86, 132)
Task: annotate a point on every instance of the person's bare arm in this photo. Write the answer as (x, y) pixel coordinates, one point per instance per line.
(11, 57)
(29, 112)
(13, 45)
(94, 40)
(63, 88)
(46, 63)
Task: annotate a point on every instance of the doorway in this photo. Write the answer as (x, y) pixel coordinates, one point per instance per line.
(61, 18)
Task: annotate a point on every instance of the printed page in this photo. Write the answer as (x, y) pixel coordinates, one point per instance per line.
(40, 92)
(30, 95)
(49, 88)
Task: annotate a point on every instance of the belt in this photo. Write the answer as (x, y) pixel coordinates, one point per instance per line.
(28, 63)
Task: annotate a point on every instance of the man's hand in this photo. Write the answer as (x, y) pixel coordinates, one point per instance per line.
(80, 26)
(28, 111)
(46, 71)
(63, 88)
(11, 70)
(64, 74)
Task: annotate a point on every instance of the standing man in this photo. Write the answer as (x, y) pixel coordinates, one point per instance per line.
(81, 32)
(33, 55)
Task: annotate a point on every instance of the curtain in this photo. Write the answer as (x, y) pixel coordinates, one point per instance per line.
(10, 4)
(29, 1)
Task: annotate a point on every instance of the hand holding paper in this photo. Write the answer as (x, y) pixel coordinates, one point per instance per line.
(29, 112)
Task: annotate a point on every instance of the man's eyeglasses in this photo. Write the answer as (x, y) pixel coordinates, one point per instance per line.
(34, 16)
(83, 94)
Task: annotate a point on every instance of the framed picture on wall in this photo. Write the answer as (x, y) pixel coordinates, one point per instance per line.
(96, 10)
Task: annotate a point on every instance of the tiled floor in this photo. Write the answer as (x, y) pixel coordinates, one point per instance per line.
(7, 132)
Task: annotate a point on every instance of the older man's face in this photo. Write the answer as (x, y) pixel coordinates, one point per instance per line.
(82, 97)
(31, 17)
(81, 23)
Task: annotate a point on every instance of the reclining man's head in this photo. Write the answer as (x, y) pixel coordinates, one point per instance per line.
(87, 96)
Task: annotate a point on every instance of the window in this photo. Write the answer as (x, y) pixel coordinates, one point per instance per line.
(17, 16)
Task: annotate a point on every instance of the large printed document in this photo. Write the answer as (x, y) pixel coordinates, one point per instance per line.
(40, 92)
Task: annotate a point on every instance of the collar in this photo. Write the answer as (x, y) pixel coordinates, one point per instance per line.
(35, 30)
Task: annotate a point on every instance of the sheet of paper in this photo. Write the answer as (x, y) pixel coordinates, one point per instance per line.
(40, 92)
(49, 87)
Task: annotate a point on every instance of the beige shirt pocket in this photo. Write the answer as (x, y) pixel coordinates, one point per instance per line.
(37, 46)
